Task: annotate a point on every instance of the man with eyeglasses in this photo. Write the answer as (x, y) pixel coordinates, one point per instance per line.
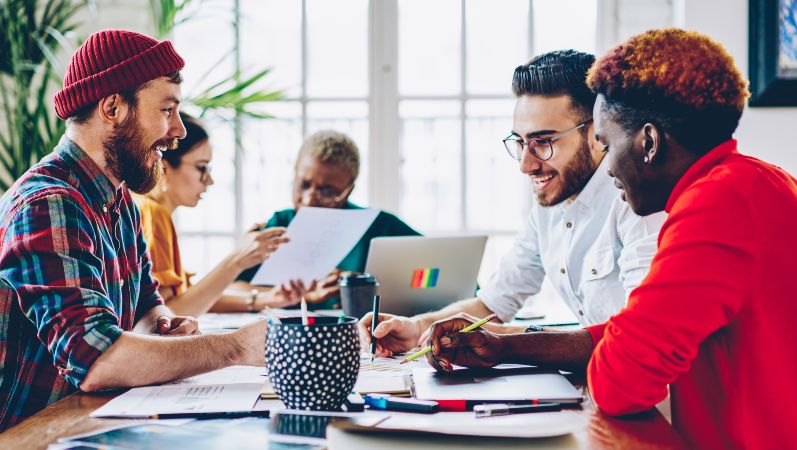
(580, 234)
(327, 167)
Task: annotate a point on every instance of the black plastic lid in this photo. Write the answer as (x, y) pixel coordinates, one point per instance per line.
(358, 279)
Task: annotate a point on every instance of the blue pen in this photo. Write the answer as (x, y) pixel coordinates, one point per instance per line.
(374, 323)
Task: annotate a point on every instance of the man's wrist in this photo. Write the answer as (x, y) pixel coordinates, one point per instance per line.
(251, 300)
(420, 325)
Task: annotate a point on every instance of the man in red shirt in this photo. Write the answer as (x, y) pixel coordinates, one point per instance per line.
(713, 319)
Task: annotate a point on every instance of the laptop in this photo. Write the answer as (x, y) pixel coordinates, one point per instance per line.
(419, 273)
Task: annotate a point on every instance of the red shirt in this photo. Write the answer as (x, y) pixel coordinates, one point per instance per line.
(716, 317)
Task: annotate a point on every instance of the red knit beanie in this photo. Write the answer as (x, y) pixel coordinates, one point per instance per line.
(113, 61)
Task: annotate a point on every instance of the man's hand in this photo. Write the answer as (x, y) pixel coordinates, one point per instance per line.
(251, 342)
(477, 348)
(394, 334)
(325, 289)
(284, 295)
(177, 326)
(256, 245)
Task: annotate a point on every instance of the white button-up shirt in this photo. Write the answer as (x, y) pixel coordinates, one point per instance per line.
(594, 249)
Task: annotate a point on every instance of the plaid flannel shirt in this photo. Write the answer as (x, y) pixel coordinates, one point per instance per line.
(74, 274)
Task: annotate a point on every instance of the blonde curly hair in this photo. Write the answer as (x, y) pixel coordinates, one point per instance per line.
(335, 148)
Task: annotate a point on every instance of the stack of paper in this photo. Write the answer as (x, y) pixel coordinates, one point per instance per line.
(384, 375)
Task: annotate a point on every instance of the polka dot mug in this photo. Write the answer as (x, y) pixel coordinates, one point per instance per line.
(313, 367)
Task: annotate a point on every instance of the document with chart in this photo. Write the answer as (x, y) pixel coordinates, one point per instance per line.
(151, 401)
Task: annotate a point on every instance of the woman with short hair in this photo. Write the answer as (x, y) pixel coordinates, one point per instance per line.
(326, 170)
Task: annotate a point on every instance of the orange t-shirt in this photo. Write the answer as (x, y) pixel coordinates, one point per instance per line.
(161, 237)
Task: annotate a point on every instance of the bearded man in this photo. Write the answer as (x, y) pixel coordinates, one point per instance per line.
(580, 234)
(79, 308)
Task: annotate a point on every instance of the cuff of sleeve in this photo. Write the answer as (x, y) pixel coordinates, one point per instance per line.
(247, 274)
(596, 331)
(503, 313)
(91, 345)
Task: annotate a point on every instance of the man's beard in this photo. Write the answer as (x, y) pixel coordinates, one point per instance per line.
(126, 156)
(575, 175)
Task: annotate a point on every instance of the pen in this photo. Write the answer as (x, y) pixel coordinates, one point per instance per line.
(210, 415)
(428, 349)
(374, 323)
(502, 409)
(304, 312)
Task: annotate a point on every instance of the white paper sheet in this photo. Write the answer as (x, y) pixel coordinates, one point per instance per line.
(226, 322)
(145, 402)
(320, 239)
(230, 375)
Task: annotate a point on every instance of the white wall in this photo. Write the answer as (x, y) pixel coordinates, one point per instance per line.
(133, 15)
(766, 133)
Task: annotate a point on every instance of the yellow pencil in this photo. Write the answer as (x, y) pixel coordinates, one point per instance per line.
(428, 349)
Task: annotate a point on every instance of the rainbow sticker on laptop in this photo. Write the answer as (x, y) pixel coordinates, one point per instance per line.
(425, 278)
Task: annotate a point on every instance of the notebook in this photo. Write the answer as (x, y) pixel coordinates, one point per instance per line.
(505, 383)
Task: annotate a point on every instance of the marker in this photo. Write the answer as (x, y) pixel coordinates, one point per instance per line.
(374, 323)
(502, 409)
(428, 349)
(384, 401)
(304, 312)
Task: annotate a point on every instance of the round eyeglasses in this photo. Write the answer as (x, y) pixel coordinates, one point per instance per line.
(326, 196)
(541, 148)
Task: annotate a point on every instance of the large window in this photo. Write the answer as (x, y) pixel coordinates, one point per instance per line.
(423, 88)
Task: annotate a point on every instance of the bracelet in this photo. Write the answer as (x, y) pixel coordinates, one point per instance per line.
(533, 328)
(252, 298)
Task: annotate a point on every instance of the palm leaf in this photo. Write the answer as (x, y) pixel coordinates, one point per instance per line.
(232, 93)
(32, 32)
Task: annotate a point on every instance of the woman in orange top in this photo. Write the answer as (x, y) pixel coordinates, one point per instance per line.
(186, 176)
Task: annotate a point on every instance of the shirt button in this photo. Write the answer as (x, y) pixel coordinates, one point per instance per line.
(104, 209)
(569, 225)
(580, 312)
(121, 283)
(594, 271)
(562, 270)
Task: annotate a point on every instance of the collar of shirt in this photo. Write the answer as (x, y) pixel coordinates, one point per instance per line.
(700, 167)
(594, 192)
(90, 179)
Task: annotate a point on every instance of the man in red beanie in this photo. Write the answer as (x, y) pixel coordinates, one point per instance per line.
(79, 307)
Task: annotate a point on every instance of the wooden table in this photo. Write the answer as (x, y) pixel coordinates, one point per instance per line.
(649, 430)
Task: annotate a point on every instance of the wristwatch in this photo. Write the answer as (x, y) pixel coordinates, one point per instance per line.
(252, 298)
(532, 328)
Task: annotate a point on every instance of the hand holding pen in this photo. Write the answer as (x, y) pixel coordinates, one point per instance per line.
(476, 348)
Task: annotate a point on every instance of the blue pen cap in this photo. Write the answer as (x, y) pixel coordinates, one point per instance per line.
(378, 401)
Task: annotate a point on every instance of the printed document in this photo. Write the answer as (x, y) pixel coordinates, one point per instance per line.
(319, 240)
(145, 402)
